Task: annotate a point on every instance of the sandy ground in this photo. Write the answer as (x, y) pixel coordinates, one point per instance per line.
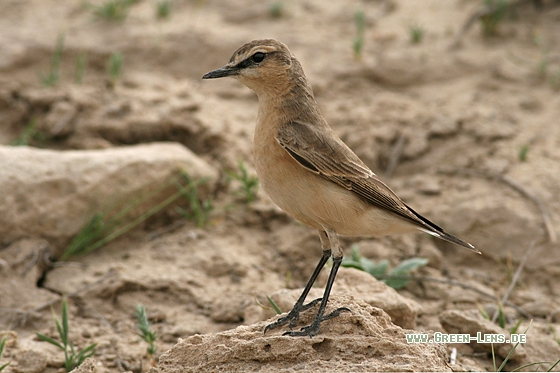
(453, 123)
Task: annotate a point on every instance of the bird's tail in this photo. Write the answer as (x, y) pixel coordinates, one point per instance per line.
(436, 231)
(450, 238)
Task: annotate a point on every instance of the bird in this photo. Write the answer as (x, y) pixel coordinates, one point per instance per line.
(310, 173)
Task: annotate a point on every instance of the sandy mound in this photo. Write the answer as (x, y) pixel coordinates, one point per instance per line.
(363, 341)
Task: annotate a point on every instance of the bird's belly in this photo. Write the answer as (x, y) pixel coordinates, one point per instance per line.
(320, 203)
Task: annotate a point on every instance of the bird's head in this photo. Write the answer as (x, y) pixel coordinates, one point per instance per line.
(265, 66)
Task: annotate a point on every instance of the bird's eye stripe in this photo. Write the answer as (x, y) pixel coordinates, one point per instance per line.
(245, 63)
(254, 59)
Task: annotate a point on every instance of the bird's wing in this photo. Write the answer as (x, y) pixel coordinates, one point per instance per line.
(325, 154)
(329, 157)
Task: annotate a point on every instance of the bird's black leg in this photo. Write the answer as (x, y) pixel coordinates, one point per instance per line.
(293, 316)
(313, 329)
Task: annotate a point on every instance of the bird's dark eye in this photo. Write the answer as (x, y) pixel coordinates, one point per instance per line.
(258, 57)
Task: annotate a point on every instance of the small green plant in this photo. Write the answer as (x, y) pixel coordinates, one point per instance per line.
(2, 346)
(491, 21)
(358, 46)
(163, 9)
(53, 76)
(249, 183)
(416, 34)
(81, 64)
(72, 359)
(515, 328)
(538, 363)
(554, 335)
(555, 80)
(28, 134)
(148, 335)
(395, 278)
(104, 226)
(115, 67)
(523, 150)
(544, 68)
(500, 318)
(277, 9)
(199, 210)
(113, 10)
(274, 305)
(542, 65)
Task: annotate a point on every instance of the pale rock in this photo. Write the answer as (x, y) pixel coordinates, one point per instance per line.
(23, 267)
(59, 122)
(555, 316)
(90, 365)
(471, 322)
(50, 194)
(539, 308)
(403, 311)
(31, 361)
(360, 341)
(499, 227)
(424, 183)
(443, 126)
(359, 284)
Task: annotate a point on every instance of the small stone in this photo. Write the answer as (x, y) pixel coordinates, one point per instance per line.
(59, 122)
(50, 194)
(555, 316)
(471, 322)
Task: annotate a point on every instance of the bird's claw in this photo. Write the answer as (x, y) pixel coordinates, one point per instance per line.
(313, 329)
(293, 316)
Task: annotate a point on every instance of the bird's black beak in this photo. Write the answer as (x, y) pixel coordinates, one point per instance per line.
(221, 72)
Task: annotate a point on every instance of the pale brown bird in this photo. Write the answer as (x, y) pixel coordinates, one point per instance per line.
(309, 172)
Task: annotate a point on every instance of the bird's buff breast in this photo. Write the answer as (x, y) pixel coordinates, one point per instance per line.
(313, 200)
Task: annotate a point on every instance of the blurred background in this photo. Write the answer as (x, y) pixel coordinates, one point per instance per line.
(125, 179)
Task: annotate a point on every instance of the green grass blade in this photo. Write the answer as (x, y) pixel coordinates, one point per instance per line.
(349, 263)
(408, 265)
(403, 269)
(274, 305)
(511, 351)
(85, 353)
(49, 340)
(493, 357)
(2, 345)
(375, 269)
(513, 330)
(65, 327)
(507, 357)
(553, 366)
(60, 331)
(539, 363)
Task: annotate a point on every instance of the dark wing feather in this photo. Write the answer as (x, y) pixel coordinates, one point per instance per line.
(322, 152)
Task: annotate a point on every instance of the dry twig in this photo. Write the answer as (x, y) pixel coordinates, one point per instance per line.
(395, 155)
(515, 277)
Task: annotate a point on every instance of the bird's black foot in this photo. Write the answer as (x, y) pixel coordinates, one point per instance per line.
(293, 316)
(313, 329)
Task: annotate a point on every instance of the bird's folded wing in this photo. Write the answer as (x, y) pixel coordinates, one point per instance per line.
(325, 154)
